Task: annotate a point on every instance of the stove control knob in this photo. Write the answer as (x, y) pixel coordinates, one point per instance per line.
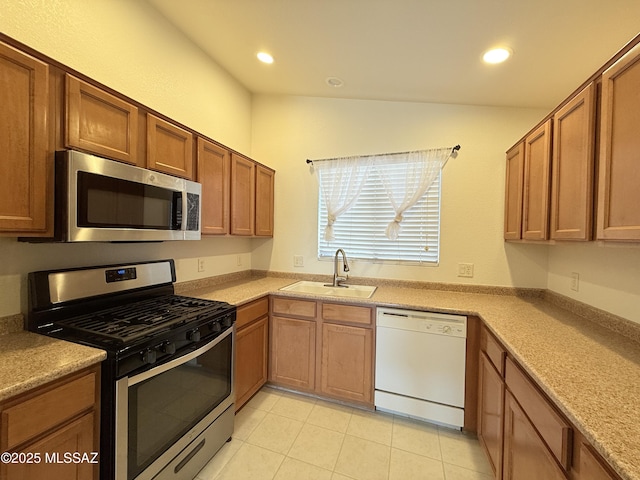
(215, 326)
(193, 336)
(169, 348)
(227, 321)
(149, 356)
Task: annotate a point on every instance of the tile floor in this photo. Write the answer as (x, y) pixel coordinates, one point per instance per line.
(280, 435)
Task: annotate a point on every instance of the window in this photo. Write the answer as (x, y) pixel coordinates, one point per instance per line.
(361, 230)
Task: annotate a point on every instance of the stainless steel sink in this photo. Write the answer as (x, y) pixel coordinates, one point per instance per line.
(319, 288)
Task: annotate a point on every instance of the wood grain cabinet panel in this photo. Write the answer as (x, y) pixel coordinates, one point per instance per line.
(347, 362)
(572, 178)
(293, 352)
(252, 344)
(214, 175)
(99, 122)
(555, 431)
(525, 454)
(243, 191)
(619, 174)
(338, 312)
(591, 467)
(513, 193)
(74, 437)
(27, 154)
(491, 413)
(57, 418)
(537, 169)
(264, 201)
(169, 148)
(293, 307)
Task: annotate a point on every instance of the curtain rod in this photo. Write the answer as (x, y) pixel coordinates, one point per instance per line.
(454, 149)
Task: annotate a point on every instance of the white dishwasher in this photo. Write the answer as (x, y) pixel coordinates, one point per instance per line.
(420, 364)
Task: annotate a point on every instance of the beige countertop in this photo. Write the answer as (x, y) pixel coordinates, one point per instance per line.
(591, 373)
(29, 360)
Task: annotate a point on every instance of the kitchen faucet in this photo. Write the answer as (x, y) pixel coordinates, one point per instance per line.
(337, 280)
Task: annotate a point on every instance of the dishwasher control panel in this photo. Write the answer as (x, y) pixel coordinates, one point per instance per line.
(425, 322)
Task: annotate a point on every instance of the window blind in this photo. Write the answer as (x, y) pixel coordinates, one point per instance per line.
(361, 230)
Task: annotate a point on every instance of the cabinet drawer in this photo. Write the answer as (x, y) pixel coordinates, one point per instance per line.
(45, 411)
(290, 306)
(337, 312)
(555, 431)
(591, 467)
(494, 350)
(252, 311)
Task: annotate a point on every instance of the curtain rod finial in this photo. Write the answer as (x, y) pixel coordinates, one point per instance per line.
(310, 161)
(456, 148)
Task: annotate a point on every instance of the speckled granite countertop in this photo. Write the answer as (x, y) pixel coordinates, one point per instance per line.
(28, 360)
(592, 373)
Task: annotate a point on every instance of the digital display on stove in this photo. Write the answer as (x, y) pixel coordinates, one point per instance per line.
(120, 274)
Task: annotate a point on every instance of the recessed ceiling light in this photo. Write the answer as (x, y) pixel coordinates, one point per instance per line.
(264, 57)
(497, 55)
(334, 82)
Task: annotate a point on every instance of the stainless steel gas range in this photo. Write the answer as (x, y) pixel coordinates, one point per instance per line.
(167, 401)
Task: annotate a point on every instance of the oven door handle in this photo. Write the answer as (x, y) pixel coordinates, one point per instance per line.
(141, 377)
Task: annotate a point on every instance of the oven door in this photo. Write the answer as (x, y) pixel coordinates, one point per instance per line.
(161, 411)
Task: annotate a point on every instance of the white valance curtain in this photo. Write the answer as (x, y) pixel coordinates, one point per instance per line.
(341, 181)
(417, 171)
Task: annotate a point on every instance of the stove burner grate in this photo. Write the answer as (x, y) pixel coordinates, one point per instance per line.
(130, 321)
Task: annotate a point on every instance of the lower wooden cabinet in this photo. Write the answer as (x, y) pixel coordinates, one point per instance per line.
(51, 454)
(323, 347)
(525, 454)
(51, 424)
(347, 362)
(491, 413)
(252, 349)
(293, 352)
(590, 467)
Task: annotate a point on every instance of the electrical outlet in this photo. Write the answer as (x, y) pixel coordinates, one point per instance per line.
(575, 281)
(298, 261)
(465, 269)
(201, 264)
(239, 260)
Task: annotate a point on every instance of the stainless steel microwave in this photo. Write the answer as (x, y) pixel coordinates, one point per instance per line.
(100, 200)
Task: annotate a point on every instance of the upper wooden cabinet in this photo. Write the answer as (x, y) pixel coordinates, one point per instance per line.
(99, 122)
(169, 148)
(573, 168)
(513, 193)
(619, 175)
(537, 169)
(243, 195)
(264, 201)
(214, 175)
(25, 143)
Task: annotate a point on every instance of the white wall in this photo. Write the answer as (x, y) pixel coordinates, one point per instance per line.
(288, 130)
(128, 46)
(609, 275)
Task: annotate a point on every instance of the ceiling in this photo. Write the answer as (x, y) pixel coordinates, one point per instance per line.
(410, 50)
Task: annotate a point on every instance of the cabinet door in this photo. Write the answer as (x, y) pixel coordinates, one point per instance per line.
(242, 195)
(26, 180)
(264, 201)
(619, 175)
(347, 362)
(77, 436)
(169, 148)
(525, 454)
(573, 168)
(100, 123)
(591, 467)
(513, 193)
(490, 413)
(537, 167)
(293, 352)
(251, 360)
(214, 175)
